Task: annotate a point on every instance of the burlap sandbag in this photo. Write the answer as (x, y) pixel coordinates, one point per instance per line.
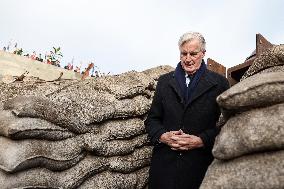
(35, 87)
(99, 144)
(273, 69)
(120, 129)
(16, 155)
(155, 73)
(76, 115)
(269, 58)
(261, 171)
(126, 85)
(44, 178)
(44, 108)
(112, 180)
(73, 177)
(257, 91)
(129, 163)
(255, 130)
(60, 155)
(27, 128)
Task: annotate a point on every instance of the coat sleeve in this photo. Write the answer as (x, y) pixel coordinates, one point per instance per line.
(153, 123)
(208, 136)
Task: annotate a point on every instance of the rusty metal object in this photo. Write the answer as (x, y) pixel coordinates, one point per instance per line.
(216, 67)
(235, 73)
(86, 73)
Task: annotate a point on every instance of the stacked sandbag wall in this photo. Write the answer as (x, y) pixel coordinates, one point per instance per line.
(76, 134)
(249, 151)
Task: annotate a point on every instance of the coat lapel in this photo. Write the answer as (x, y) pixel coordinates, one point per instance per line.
(173, 83)
(204, 84)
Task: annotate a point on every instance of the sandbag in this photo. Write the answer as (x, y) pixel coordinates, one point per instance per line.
(270, 58)
(23, 128)
(257, 91)
(120, 129)
(135, 163)
(44, 178)
(32, 87)
(255, 130)
(60, 155)
(54, 155)
(99, 145)
(155, 73)
(112, 180)
(125, 164)
(44, 108)
(76, 115)
(261, 171)
(126, 85)
(26, 128)
(273, 69)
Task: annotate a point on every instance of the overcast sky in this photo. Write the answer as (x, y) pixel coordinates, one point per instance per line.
(124, 35)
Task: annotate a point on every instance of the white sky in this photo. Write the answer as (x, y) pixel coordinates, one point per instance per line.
(124, 35)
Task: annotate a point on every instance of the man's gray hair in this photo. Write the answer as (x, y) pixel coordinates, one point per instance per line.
(190, 36)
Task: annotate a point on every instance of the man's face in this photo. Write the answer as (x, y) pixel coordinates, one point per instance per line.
(191, 56)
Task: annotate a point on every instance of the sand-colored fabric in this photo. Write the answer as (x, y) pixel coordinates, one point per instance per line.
(112, 180)
(107, 147)
(256, 130)
(15, 127)
(91, 165)
(32, 87)
(120, 128)
(26, 128)
(125, 85)
(155, 73)
(75, 115)
(101, 146)
(44, 178)
(270, 58)
(273, 69)
(257, 91)
(55, 155)
(60, 155)
(261, 171)
(125, 164)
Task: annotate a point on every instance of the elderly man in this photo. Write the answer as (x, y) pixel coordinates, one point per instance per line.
(182, 120)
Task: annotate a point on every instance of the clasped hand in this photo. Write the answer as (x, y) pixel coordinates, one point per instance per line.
(178, 140)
